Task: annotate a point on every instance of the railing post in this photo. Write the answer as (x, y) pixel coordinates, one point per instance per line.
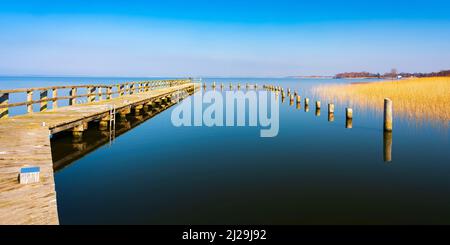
(100, 95)
(29, 99)
(91, 95)
(108, 93)
(44, 96)
(119, 90)
(54, 101)
(73, 92)
(4, 102)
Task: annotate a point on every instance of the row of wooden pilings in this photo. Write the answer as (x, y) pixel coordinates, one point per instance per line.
(238, 86)
(387, 115)
(387, 118)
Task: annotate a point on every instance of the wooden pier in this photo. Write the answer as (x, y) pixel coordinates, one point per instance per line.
(25, 139)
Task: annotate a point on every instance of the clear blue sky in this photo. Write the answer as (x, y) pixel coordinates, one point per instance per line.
(222, 38)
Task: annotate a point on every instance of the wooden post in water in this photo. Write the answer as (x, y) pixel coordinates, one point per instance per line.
(239, 86)
(73, 92)
(331, 108)
(387, 146)
(331, 112)
(4, 102)
(306, 101)
(348, 113)
(44, 104)
(387, 115)
(299, 98)
(348, 117)
(256, 86)
(318, 104)
(29, 99)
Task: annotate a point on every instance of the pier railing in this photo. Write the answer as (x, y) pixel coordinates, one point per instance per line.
(91, 93)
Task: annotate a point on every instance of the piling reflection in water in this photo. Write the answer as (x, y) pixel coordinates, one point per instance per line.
(317, 112)
(387, 146)
(330, 117)
(348, 123)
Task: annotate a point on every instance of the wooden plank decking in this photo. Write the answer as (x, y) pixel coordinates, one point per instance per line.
(25, 141)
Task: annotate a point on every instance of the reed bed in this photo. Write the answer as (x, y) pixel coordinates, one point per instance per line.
(419, 99)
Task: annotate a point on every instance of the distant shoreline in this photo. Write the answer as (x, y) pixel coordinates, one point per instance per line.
(318, 77)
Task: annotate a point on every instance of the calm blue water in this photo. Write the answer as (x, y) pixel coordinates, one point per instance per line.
(313, 172)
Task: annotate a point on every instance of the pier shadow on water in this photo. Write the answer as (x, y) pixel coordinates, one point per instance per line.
(66, 148)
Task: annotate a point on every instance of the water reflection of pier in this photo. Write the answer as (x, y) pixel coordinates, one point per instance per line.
(67, 149)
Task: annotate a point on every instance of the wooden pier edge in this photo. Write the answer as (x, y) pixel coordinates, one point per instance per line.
(25, 141)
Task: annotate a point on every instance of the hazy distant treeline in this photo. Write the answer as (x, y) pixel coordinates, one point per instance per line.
(391, 74)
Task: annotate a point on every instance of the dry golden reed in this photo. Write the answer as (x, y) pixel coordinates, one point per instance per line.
(420, 99)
